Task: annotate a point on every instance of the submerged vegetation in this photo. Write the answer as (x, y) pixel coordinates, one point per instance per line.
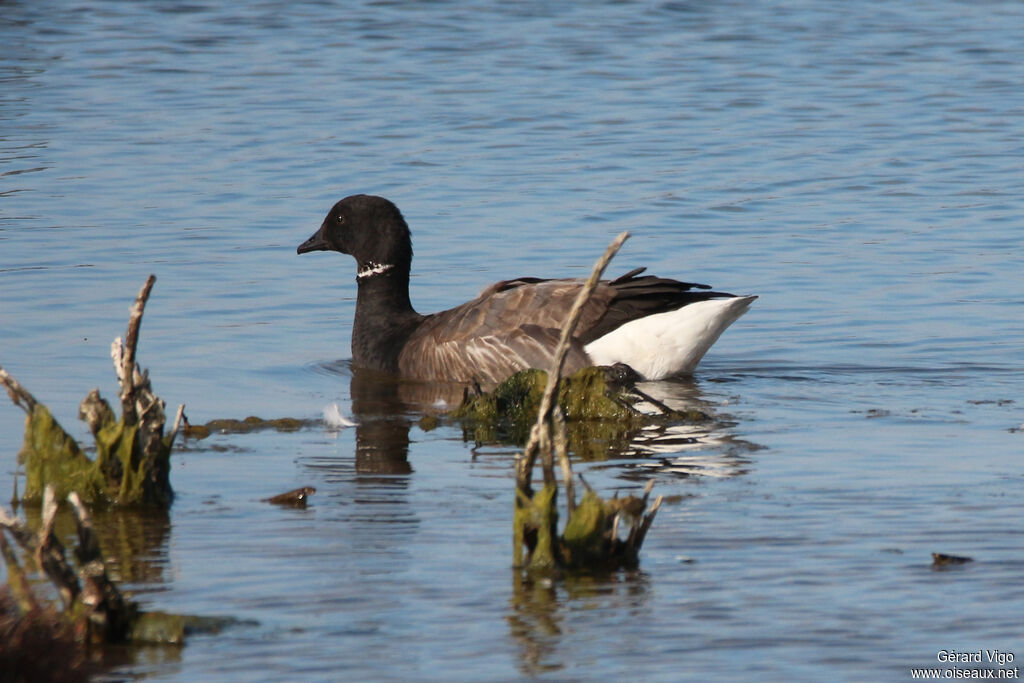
(249, 424)
(131, 468)
(600, 406)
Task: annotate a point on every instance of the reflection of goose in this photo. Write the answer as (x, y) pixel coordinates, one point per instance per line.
(657, 326)
(706, 449)
(698, 465)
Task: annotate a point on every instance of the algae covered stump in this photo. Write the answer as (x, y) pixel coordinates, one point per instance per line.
(131, 468)
(132, 464)
(590, 539)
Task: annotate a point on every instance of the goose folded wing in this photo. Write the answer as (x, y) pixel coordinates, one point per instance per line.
(487, 358)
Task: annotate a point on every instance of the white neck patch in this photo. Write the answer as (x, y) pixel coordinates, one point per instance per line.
(372, 269)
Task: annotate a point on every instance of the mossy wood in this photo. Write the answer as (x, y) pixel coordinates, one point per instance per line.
(590, 540)
(132, 463)
(597, 404)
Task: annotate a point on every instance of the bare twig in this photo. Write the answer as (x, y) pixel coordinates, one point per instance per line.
(640, 523)
(178, 418)
(540, 434)
(135, 321)
(637, 540)
(18, 393)
(129, 374)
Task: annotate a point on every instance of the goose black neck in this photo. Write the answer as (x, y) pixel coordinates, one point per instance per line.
(385, 292)
(384, 319)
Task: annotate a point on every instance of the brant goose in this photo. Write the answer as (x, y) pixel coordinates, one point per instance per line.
(659, 327)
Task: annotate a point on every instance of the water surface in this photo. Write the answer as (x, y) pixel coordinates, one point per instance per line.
(855, 165)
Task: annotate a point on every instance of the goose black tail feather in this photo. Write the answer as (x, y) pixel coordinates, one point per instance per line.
(639, 297)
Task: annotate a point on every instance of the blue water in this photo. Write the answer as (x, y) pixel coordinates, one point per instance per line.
(857, 165)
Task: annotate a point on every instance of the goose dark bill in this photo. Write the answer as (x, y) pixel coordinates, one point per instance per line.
(315, 242)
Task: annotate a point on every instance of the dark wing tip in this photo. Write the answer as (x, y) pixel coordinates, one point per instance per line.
(631, 274)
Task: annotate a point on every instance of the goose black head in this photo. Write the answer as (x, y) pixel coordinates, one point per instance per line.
(369, 228)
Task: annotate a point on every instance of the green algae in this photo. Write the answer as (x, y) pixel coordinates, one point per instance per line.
(534, 527)
(165, 628)
(589, 541)
(132, 463)
(585, 395)
(584, 538)
(51, 456)
(600, 412)
(249, 424)
(119, 475)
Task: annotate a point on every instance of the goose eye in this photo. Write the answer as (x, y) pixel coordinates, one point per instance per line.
(341, 219)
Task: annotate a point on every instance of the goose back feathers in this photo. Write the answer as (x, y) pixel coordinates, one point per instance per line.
(514, 324)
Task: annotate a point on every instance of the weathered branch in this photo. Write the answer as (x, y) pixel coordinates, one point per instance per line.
(540, 435)
(19, 394)
(590, 539)
(129, 375)
(132, 464)
(179, 417)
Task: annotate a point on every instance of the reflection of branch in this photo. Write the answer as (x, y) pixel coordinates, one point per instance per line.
(17, 582)
(46, 548)
(94, 607)
(98, 591)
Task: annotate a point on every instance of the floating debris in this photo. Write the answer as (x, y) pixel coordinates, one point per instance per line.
(249, 424)
(943, 560)
(294, 498)
(334, 419)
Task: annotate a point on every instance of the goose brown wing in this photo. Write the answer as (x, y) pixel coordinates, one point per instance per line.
(509, 305)
(511, 326)
(515, 324)
(490, 358)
